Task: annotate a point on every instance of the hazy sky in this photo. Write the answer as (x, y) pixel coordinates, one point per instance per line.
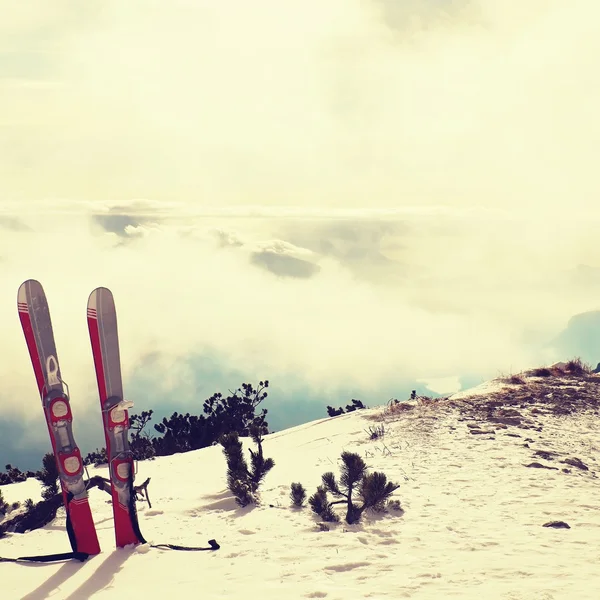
(344, 197)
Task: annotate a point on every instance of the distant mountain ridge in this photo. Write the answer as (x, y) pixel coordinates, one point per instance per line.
(581, 337)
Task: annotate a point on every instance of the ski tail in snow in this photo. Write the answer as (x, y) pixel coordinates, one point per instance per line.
(102, 325)
(37, 327)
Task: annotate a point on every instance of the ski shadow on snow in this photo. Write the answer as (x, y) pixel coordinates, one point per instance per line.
(52, 583)
(98, 580)
(101, 577)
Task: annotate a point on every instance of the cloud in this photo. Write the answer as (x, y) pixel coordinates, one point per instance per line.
(135, 219)
(348, 105)
(117, 224)
(369, 247)
(285, 260)
(406, 17)
(284, 265)
(585, 275)
(227, 238)
(13, 224)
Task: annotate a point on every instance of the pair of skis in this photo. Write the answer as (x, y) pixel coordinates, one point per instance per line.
(102, 324)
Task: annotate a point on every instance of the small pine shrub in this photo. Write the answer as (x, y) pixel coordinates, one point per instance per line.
(374, 490)
(49, 476)
(3, 505)
(96, 458)
(321, 506)
(142, 447)
(12, 475)
(140, 441)
(297, 495)
(356, 404)
(243, 482)
(334, 412)
(36, 516)
(237, 412)
(29, 504)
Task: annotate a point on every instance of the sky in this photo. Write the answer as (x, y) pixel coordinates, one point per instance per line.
(350, 199)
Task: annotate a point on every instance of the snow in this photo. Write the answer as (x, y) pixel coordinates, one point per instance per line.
(487, 387)
(471, 526)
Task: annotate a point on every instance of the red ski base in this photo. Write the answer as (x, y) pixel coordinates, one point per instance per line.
(124, 532)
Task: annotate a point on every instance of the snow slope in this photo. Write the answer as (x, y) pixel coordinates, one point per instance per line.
(471, 527)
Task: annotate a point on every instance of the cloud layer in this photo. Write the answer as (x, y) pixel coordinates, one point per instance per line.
(325, 308)
(343, 104)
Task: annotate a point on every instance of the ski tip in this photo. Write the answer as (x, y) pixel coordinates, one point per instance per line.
(28, 287)
(99, 292)
(31, 281)
(100, 299)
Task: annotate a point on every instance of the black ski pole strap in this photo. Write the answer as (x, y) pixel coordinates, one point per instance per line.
(80, 556)
(135, 524)
(213, 545)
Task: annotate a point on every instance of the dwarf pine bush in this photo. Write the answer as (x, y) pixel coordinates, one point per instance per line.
(372, 489)
(297, 495)
(48, 475)
(244, 481)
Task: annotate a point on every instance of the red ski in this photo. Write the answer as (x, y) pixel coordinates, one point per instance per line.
(102, 325)
(37, 327)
